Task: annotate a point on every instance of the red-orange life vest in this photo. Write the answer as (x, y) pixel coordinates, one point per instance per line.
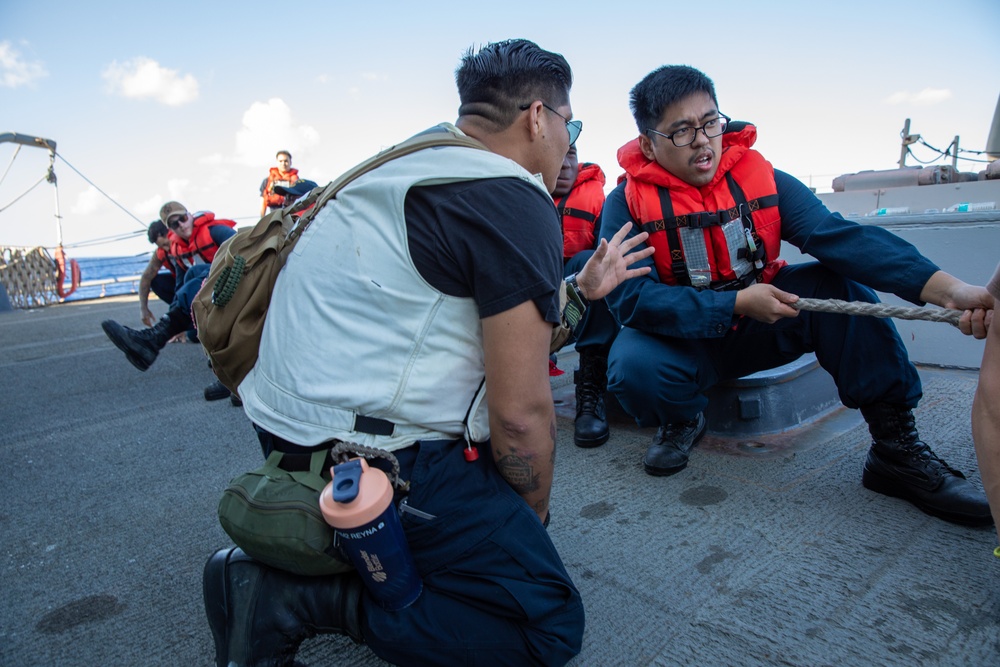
(723, 235)
(166, 260)
(580, 208)
(186, 253)
(276, 177)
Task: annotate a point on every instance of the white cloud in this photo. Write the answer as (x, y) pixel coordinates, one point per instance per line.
(925, 97)
(142, 78)
(149, 208)
(177, 188)
(90, 201)
(374, 76)
(269, 127)
(15, 71)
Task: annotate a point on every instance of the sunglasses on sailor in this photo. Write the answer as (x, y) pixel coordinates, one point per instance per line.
(174, 223)
(573, 127)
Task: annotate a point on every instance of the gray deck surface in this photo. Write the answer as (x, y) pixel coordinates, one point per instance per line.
(761, 553)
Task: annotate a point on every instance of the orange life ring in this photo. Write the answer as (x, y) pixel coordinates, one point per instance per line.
(61, 274)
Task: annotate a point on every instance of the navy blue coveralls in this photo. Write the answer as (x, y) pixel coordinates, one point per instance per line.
(677, 342)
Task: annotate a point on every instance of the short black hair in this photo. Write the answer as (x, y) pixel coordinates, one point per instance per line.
(156, 230)
(283, 153)
(494, 81)
(663, 87)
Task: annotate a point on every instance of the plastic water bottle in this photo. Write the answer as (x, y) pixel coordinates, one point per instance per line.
(892, 210)
(974, 206)
(358, 504)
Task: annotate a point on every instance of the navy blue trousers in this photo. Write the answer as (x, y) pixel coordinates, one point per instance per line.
(495, 589)
(186, 291)
(164, 286)
(659, 379)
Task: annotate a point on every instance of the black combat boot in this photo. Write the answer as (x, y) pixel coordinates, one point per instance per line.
(217, 391)
(591, 425)
(259, 615)
(141, 346)
(900, 464)
(672, 446)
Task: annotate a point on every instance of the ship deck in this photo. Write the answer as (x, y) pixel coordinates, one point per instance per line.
(767, 552)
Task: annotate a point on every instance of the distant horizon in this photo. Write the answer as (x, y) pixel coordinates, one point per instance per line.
(152, 106)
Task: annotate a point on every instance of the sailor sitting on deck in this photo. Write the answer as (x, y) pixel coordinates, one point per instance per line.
(194, 240)
(718, 304)
(162, 284)
(579, 197)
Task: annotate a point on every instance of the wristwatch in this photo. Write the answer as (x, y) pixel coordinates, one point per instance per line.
(572, 284)
(576, 303)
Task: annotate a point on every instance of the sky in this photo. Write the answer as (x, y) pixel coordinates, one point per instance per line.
(189, 101)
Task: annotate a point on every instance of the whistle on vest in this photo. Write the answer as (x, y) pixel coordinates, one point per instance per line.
(752, 246)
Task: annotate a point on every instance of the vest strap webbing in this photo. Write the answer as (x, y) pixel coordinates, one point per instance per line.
(577, 213)
(677, 264)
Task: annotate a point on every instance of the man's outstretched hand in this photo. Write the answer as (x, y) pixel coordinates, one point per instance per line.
(608, 267)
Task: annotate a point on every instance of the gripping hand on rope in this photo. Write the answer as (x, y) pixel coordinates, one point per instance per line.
(765, 303)
(947, 291)
(965, 306)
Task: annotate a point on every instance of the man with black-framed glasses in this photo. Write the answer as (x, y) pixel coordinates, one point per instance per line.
(718, 304)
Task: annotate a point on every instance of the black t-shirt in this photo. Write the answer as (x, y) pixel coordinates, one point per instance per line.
(496, 240)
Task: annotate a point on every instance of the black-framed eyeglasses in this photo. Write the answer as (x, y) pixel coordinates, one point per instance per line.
(686, 135)
(174, 223)
(574, 127)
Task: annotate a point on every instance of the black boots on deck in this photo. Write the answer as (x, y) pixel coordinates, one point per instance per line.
(260, 615)
(217, 391)
(900, 464)
(591, 425)
(141, 346)
(672, 446)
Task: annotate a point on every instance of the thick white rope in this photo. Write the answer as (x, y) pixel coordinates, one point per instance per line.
(879, 310)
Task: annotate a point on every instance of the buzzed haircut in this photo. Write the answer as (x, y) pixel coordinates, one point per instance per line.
(663, 87)
(494, 81)
(156, 230)
(280, 153)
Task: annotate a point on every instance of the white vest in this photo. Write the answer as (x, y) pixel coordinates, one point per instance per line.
(353, 329)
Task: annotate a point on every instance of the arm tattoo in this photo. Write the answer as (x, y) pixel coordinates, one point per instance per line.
(518, 473)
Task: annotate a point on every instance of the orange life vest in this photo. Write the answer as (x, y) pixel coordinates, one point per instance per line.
(724, 235)
(186, 254)
(579, 209)
(166, 260)
(276, 177)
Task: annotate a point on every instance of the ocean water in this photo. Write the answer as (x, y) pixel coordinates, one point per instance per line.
(108, 268)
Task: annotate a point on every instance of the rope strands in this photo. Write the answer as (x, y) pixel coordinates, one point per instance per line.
(879, 310)
(29, 276)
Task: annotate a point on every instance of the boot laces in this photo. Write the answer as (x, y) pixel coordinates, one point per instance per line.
(909, 443)
(590, 388)
(587, 397)
(677, 430)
